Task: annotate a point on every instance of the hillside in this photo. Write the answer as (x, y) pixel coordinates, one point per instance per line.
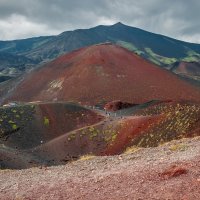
(12, 65)
(159, 49)
(170, 171)
(150, 127)
(189, 70)
(26, 126)
(99, 74)
(57, 133)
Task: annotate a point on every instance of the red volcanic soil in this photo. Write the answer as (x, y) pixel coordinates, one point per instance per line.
(117, 105)
(74, 131)
(65, 117)
(151, 127)
(153, 173)
(109, 137)
(130, 129)
(102, 73)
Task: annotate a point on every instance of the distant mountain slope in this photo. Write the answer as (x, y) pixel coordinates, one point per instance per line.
(187, 69)
(23, 45)
(12, 60)
(12, 65)
(102, 73)
(18, 62)
(159, 49)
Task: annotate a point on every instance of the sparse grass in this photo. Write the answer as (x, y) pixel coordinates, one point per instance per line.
(71, 136)
(177, 119)
(5, 170)
(93, 132)
(14, 118)
(110, 135)
(19, 198)
(87, 157)
(178, 147)
(131, 149)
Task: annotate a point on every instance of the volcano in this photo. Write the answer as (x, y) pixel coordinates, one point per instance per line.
(99, 74)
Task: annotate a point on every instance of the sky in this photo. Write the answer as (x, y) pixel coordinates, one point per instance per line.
(19, 19)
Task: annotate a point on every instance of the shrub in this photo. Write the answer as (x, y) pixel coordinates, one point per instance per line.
(87, 157)
(46, 121)
(14, 127)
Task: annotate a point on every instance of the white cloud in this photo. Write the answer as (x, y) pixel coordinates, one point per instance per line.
(17, 26)
(27, 18)
(195, 38)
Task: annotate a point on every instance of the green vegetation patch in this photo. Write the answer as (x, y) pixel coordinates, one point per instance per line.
(130, 47)
(107, 135)
(176, 122)
(192, 56)
(15, 118)
(157, 59)
(46, 121)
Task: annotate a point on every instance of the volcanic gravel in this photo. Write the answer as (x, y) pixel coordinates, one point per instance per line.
(170, 171)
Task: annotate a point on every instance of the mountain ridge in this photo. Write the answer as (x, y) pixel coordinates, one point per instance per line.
(159, 49)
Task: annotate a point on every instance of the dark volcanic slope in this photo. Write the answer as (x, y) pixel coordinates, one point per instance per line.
(25, 126)
(99, 74)
(51, 47)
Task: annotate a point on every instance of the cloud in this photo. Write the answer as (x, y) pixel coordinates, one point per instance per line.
(17, 26)
(27, 18)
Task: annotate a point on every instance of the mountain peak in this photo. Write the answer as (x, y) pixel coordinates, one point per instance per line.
(118, 24)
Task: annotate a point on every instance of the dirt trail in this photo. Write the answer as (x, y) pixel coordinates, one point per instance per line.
(171, 171)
